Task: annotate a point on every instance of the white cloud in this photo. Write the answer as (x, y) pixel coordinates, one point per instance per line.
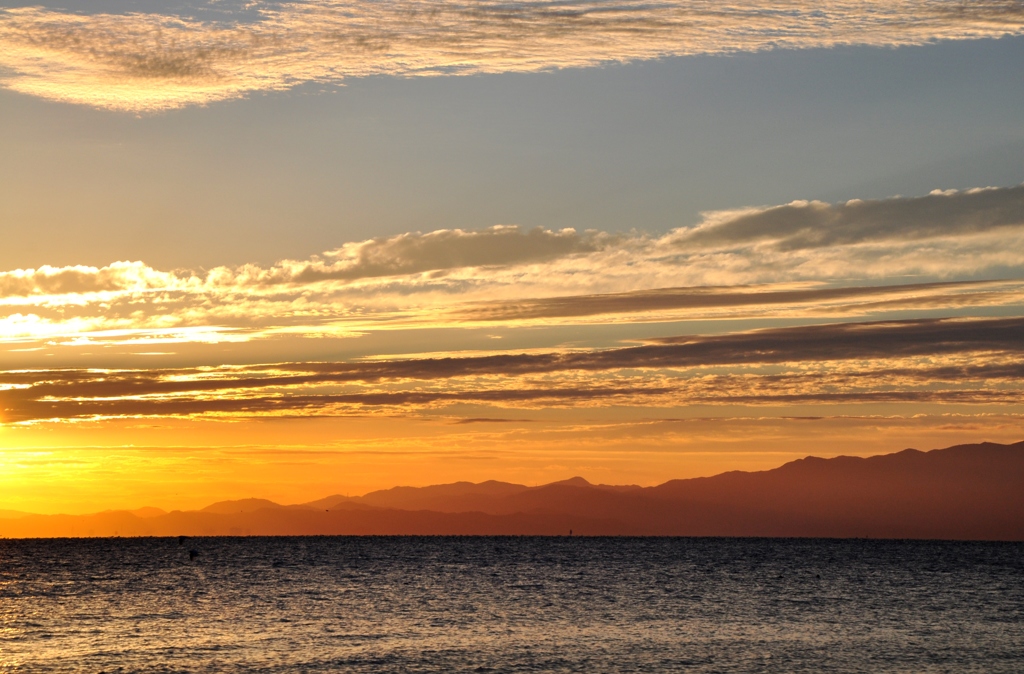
(440, 278)
(147, 62)
(441, 250)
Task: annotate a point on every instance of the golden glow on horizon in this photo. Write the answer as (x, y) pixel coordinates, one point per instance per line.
(190, 465)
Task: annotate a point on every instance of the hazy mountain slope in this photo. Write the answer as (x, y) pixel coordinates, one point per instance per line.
(248, 505)
(962, 492)
(967, 491)
(454, 497)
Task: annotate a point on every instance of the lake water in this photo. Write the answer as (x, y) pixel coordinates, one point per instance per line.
(407, 604)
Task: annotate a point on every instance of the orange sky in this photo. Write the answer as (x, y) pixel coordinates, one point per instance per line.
(226, 275)
(187, 464)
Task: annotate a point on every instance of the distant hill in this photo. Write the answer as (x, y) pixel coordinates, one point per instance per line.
(148, 511)
(489, 497)
(963, 492)
(248, 505)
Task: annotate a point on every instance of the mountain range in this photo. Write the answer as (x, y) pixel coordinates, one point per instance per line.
(969, 492)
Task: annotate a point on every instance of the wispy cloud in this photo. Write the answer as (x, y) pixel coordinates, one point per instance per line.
(805, 225)
(936, 361)
(760, 240)
(438, 251)
(706, 301)
(147, 62)
(818, 259)
(401, 255)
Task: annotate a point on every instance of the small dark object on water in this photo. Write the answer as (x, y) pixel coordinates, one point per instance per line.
(192, 554)
(182, 539)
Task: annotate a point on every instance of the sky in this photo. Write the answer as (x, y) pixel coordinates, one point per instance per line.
(291, 249)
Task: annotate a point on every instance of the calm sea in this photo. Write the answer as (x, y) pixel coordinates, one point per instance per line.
(407, 604)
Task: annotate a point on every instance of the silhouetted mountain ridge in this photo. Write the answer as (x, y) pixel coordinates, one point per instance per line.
(247, 505)
(961, 492)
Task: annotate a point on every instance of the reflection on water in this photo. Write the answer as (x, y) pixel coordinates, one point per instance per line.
(510, 604)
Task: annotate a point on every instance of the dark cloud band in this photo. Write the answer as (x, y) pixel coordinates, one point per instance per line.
(708, 297)
(998, 344)
(808, 225)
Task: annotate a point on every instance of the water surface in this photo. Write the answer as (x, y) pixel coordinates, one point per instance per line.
(417, 604)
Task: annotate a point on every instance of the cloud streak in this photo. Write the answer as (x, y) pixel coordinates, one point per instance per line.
(951, 361)
(149, 62)
(710, 298)
(803, 225)
(392, 256)
(515, 276)
(956, 220)
(812, 343)
(438, 251)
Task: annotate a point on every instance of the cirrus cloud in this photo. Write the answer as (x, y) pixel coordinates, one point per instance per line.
(923, 361)
(145, 62)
